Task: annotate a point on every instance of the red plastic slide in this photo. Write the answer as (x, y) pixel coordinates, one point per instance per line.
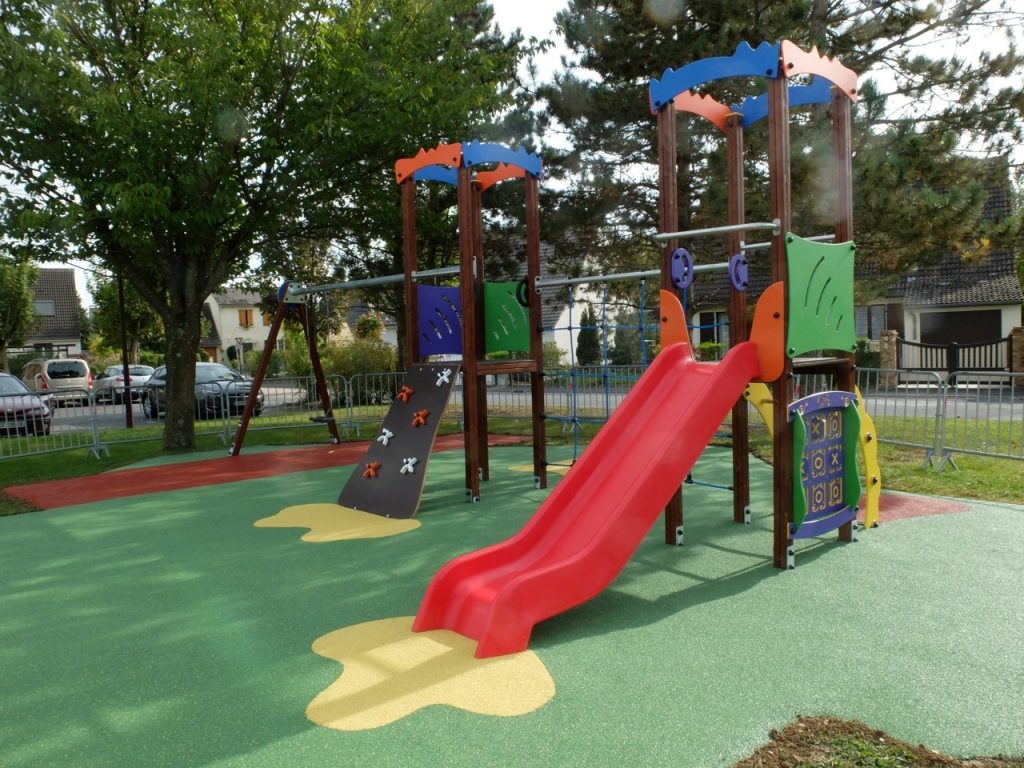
(588, 528)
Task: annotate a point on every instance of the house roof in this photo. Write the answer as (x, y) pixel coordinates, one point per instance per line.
(57, 284)
(232, 298)
(213, 339)
(952, 282)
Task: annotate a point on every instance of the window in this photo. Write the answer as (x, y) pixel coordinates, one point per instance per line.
(869, 321)
(245, 318)
(44, 308)
(714, 327)
(267, 319)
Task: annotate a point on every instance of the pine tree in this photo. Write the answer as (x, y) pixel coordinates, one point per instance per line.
(916, 195)
(588, 341)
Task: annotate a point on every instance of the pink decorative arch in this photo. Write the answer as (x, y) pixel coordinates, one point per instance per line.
(796, 61)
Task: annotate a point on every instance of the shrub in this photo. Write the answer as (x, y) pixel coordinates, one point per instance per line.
(710, 350)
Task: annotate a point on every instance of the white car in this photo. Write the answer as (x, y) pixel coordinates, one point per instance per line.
(110, 384)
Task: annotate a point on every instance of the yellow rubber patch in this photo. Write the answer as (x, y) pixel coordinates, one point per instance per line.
(559, 469)
(391, 671)
(331, 522)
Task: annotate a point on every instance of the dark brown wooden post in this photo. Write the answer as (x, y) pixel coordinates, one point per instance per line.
(467, 296)
(306, 317)
(409, 265)
(481, 382)
(842, 164)
(737, 319)
(668, 221)
(782, 389)
(537, 407)
(258, 376)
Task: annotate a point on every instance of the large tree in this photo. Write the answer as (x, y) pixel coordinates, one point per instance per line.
(176, 141)
(921, 104)
(16, 308)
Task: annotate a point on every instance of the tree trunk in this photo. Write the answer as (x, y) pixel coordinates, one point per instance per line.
(182, 342)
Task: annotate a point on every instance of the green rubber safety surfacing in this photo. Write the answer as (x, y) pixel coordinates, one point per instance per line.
(167, 630)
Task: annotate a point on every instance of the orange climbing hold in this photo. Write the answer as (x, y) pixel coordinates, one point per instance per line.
(405, 394)
(420, 418)
(371, 470)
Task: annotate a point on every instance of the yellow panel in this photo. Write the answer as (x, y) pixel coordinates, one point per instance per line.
(872, 472)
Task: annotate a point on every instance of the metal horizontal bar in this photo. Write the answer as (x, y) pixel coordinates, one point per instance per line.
(775, 226)
(718, 266)
(372, 281)
(557, 282)
(767, 243)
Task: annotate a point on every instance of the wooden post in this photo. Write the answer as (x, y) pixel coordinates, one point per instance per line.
(842, 163)
(306, 317)
(476, 196)
(537, 408)
(467, 296)
(737, 319)
(668, 221)
(409, 264)
(257, 379)
(782, 389)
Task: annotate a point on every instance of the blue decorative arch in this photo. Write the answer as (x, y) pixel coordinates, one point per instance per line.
(441, 173)
(754, 108)
(744, 62)
(476, 153)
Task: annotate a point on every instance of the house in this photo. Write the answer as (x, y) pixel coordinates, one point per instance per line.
(951, 301)
(58, 328)
(235, 319)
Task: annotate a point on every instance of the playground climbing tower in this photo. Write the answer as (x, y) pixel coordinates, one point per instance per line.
(678, 90)
(486, 313)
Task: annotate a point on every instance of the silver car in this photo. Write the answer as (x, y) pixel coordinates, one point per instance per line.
(110, 384)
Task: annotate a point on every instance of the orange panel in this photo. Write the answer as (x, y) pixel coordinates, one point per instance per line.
(705, 106)
(796, 61)
(442, 154)
(769, 331)
(487, 179)
(673, 320)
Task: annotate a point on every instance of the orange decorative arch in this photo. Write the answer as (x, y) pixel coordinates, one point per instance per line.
(487, 179)
(442, 154)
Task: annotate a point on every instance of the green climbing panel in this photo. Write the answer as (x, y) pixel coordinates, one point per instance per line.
(506, 321)
(820, 286)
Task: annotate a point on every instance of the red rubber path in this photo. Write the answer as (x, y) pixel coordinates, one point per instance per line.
(224, 469)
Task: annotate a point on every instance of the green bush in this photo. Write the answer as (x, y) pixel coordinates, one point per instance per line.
(710, 350)
(865, 356)
(361, 355)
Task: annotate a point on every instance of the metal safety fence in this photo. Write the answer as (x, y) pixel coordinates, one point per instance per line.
(977, 413)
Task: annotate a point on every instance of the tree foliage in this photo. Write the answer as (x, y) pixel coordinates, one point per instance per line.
(175, 142)
(917, 196)
(142, 325)
(17, 314)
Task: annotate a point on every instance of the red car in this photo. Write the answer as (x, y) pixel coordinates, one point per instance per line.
(21, 411)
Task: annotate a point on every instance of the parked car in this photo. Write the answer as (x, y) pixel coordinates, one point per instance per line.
(220, 391)
(110, 384)
(21, 412)
(67, 378)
